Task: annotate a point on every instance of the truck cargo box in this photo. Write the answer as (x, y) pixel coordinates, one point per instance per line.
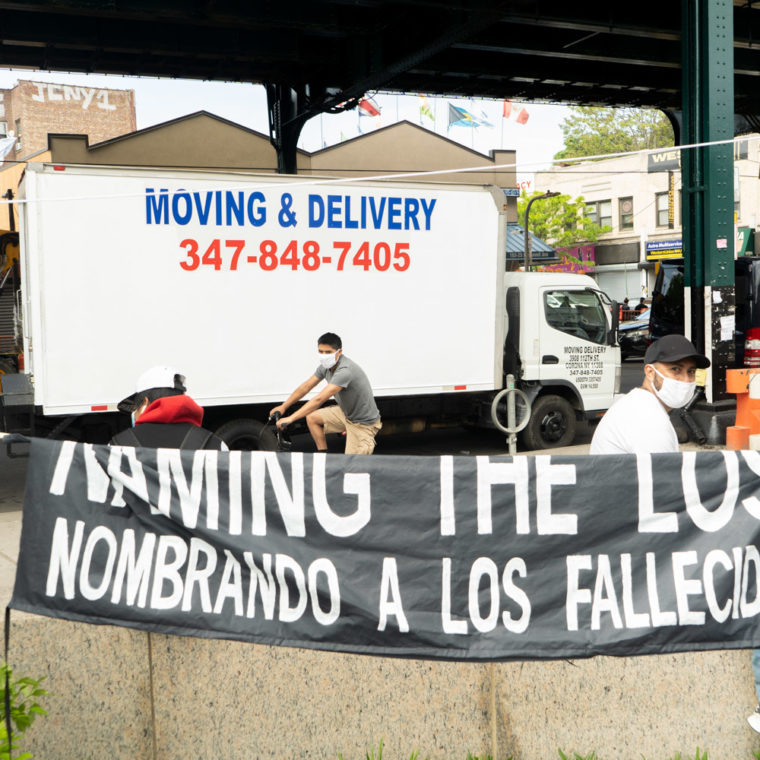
(233, 277)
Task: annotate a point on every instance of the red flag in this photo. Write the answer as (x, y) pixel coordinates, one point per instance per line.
(368, 107)
(515, 111)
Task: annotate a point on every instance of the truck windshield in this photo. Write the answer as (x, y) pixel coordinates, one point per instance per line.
(576, 312)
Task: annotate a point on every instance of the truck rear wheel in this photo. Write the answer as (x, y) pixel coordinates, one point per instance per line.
(552, 424)
(248, 435)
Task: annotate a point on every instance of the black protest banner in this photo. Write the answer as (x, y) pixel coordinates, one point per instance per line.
(470, 558)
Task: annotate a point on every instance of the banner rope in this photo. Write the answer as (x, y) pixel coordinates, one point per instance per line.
(302, 181)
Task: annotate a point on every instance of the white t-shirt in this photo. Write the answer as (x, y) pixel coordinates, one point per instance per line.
(636, 423)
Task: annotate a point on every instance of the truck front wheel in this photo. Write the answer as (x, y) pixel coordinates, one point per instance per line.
(552, 424)
(248, 435)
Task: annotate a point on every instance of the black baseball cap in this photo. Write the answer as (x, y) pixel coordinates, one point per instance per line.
(673, 348)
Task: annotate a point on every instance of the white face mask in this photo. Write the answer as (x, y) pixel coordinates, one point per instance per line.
(674, 393)
(328, 360)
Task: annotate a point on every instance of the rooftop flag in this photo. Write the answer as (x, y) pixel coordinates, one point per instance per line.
(368, 107)
(515, 111)
(425, 109)
(459, 117)
(484, 119)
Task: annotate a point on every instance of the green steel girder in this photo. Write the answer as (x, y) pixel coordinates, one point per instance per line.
(708, 116)
(707, 175)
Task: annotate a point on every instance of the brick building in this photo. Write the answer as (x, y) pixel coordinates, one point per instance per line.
(31, 110)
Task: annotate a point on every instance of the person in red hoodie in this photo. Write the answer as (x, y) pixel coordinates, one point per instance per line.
(163, 416)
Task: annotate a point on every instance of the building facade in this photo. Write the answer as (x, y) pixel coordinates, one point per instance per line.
(31, 110)
(205, 141)
(639, 197)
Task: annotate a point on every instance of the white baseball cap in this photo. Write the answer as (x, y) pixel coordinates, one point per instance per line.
(156, 377)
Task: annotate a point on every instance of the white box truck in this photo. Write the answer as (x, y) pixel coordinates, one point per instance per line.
(232, 278)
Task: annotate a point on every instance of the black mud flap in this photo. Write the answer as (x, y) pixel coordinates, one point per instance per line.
(17, 413)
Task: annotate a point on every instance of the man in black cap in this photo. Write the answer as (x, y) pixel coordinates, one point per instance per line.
(164, 416)
(638, 422)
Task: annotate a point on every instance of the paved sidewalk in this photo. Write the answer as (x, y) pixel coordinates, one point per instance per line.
(12, 479)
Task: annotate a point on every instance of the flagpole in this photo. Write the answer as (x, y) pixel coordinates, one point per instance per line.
(472, 106)
(472, 129)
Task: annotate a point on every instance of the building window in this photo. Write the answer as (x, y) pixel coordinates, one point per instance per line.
(3, 129)
(600, 212)
(18, 134)
(661, 209)
(626, 213)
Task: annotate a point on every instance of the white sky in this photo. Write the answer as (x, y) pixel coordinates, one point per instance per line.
(159, 100)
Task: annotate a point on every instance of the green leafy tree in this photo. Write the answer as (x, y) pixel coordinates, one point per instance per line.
(23, 695)
(560, 221)
(592, 131)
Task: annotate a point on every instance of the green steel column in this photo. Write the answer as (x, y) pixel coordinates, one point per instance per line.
(707, 57)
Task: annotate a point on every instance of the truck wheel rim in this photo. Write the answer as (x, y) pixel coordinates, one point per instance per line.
(553, 426)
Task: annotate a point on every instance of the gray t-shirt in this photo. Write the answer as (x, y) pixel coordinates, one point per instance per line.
(355, 400)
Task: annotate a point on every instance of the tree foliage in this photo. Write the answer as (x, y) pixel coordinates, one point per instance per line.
(592, 131)
(560, 221)
(24, 708)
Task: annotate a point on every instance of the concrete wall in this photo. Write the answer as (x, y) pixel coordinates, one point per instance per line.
(124, 695)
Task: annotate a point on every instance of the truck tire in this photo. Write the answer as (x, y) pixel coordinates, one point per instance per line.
(248, 435)
(552, 424)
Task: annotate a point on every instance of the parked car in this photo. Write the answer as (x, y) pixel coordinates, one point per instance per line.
(634, 336)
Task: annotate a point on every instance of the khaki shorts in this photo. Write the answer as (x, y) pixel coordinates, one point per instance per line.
(360, 439)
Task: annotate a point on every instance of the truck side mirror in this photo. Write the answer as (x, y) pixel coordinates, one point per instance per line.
(615, 314)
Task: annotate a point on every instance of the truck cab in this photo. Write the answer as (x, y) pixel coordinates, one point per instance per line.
(560, 346)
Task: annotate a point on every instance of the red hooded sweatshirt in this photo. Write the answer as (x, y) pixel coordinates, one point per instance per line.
(172, 409)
